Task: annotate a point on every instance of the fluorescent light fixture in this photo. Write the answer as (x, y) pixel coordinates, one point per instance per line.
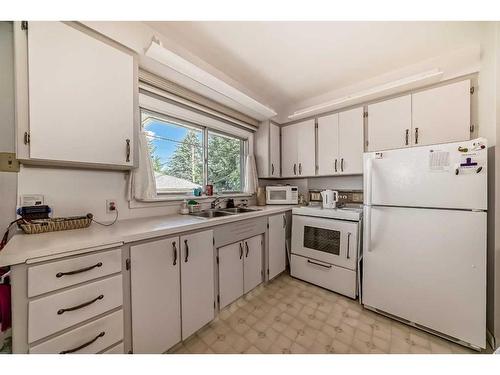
(386, 89)
(166, 57)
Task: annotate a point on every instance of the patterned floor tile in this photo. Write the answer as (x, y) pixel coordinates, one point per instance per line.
(290, 316)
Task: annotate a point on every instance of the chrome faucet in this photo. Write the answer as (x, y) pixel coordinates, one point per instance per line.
(216, 202)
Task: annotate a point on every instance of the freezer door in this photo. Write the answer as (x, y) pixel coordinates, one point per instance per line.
(439, 176)
(428, 266)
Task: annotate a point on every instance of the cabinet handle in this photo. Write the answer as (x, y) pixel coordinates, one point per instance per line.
(246, 247)
(335, 165)
(319, 264)
(284, 221)
(300, 168)
(187, 251)
(128, 150)
(294, 169)
(69, 351)
(407, 135)
(342, 164)
(61, 274)
(272, 169)
(174, 248)
(241, 250)
(348, 244)
(62, 311)
(416, 136)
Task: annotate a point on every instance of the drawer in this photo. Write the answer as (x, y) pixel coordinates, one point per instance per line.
(326, 275)
(117, 349)
(48, 315)
(240, 230)
(88, 339)
(56, 275)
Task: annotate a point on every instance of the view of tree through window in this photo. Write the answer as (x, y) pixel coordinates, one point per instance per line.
(224, 162)
(178, 159)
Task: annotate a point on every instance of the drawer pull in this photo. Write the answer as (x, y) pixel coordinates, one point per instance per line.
(62, 311)
(319, 264)
(61, 274)
(69, 351)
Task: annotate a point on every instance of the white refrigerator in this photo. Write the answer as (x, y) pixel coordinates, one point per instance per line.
(424, 240)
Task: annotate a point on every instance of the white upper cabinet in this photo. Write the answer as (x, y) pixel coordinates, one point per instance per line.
(442, 114)
(437, 115)
(351, 141)
(340, 143)
(328, 144)
(389, 124)
(82, 98)
(274, 150)
(306, 148)
(298, 145)
(267, 150)
(289, 151)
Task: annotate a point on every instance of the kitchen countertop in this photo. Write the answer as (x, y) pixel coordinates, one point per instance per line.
(29, 248)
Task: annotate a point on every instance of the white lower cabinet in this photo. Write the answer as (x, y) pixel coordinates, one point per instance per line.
(155, 295)
(276, 248)
(197, 281)
(230, 273)
(240, 269)
(252, 264)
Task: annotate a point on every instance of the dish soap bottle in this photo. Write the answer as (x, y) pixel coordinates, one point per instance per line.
(184, 210)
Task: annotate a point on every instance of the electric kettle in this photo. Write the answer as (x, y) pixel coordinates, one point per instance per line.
(330, 198)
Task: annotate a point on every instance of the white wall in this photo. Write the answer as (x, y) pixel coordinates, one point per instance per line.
(8, 180)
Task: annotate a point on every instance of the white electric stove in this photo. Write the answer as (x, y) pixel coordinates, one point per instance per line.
(326, 247)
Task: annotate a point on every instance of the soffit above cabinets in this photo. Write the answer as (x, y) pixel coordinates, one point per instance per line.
(294, 65)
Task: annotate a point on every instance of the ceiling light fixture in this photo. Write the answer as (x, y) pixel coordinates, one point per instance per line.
(166, 57)
(386, 89)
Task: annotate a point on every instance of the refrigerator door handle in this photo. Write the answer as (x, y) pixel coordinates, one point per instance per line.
(367, 229)
(369, 171)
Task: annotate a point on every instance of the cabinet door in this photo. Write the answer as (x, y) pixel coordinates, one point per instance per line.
(197, 281)
(306, 148)
(230, 273)
(252, 273)
(289, 151)
(328, 144)
(81, 97)
(442, 114)
(155, 295)
(276, 250)
(274, 149)
(351, 141)
(389, 124)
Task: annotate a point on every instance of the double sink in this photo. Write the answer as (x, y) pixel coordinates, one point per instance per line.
(219, 212)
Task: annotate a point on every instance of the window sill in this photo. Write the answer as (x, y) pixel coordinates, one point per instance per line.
(165, 200)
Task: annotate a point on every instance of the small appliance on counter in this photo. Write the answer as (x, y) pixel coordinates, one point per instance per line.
(282, 194)
(330, 198)
(261, 196)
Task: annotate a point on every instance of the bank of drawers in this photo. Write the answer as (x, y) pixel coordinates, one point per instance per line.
(76, 305)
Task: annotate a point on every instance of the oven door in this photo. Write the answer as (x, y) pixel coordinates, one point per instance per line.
(328, 240)
(278, 196)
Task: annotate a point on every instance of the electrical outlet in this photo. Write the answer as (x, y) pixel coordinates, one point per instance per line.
(110, 206)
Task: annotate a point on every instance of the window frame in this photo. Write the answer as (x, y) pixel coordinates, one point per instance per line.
(206, 129)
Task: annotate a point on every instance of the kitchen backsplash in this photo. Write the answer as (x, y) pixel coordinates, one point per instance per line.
(319, 183)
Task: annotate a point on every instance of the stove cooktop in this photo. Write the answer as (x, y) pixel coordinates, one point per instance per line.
(353, 213)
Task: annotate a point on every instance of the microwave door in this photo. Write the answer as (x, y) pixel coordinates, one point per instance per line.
(277, 196)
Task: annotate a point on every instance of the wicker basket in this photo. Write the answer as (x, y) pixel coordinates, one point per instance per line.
(55, 224)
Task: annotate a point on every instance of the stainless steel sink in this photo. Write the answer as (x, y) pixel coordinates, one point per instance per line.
(209, 214)
(238, 210)
(219, 212)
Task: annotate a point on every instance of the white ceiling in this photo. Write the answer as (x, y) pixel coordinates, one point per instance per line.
(284, 63)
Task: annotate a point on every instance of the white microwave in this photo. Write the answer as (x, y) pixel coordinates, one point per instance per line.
(282, 194)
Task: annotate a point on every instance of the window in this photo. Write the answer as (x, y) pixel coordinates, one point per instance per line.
(187, 156)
